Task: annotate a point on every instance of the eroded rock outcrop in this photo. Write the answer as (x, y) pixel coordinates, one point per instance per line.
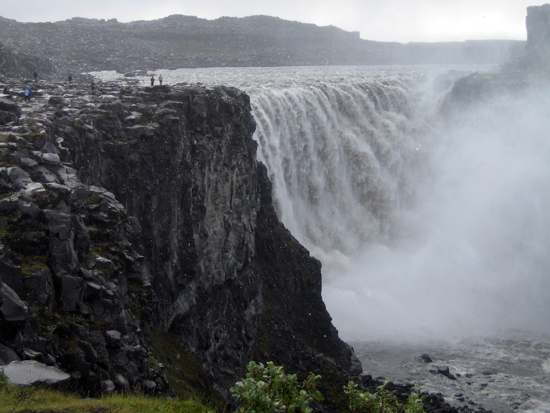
(127, 211)
(538, 33)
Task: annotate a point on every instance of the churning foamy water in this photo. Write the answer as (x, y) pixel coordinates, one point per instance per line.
(427, 228)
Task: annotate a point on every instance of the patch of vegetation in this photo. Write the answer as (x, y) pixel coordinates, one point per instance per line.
(383, 401)
(15, 399)
(268, 389)
(184, 371)
(30, 265)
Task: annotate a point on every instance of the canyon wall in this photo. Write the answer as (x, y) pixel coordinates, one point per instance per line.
(152, 199)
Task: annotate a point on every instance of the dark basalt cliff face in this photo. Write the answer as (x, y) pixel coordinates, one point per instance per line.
(143, 210)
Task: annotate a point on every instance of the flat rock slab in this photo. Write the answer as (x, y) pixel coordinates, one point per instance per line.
(32, 373)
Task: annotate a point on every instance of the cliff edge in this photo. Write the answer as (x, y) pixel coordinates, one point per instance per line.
(136, 211)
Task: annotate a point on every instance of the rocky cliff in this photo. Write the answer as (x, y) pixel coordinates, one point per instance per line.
(538, 33)
(131, 212)
(80, 45)
(14, 63)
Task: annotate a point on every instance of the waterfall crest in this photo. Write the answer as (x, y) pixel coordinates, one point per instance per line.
(339, 156)
(425, 227)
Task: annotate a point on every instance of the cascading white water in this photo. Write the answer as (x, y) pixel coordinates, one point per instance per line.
(423, 228)
(426, 229)
(343, 159)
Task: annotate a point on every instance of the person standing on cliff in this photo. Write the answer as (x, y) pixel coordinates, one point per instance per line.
(35, 75)
(28, 92)
(152, 80)
(160, 80)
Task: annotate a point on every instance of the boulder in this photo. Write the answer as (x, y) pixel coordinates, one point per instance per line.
(6, 117)
(7, 105)
(34, 373)
(12, 308)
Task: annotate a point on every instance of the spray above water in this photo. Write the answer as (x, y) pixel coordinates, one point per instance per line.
(425, 227)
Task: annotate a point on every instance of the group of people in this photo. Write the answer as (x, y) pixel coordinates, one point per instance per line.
(153, 80)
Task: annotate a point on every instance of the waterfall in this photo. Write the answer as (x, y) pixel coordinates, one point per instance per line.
(340, 157)
(424, 227)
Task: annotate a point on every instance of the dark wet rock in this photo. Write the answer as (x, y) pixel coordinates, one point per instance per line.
(109, 235)
(107, 386)
(11, 275)
(7, 117)
(120, 382)
(12, 308)
(7, 355)
(426, 358)
(10, 107)
(18, 177)
(445, 371)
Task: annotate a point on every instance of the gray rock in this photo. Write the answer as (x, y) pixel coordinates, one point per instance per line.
(47, 176)
(63, 255)
(7, 355)
(59, 223)
(56, 101)
(40, 288)
(51, 159)
(33, 373)
(113, 338)
(18, 177)
(7, 117)
(12, 308)
(107, 386)
(71, 292)
(12, 275)
(105, 264)
(148, 386)
(120, 382)
(9, 106)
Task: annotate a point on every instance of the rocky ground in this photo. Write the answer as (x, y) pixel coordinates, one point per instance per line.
(71, 271)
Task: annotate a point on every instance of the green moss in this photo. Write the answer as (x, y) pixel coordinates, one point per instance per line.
(30, 265)
(185, 372)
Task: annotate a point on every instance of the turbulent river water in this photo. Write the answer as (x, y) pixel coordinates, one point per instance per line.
(433, 232)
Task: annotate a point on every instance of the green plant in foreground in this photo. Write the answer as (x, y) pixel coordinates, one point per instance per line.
(383, 401)
(269, 389)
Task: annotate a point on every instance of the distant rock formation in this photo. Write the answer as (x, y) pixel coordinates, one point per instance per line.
(538, 35)
(535, 60)
(20, 64)
(80, 45)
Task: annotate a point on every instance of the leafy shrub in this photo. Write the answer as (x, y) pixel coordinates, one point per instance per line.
(383, 401)
(267, 389)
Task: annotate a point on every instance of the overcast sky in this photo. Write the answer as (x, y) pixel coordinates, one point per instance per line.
(383, 20)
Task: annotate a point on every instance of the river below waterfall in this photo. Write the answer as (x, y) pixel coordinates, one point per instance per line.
(433, 232)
